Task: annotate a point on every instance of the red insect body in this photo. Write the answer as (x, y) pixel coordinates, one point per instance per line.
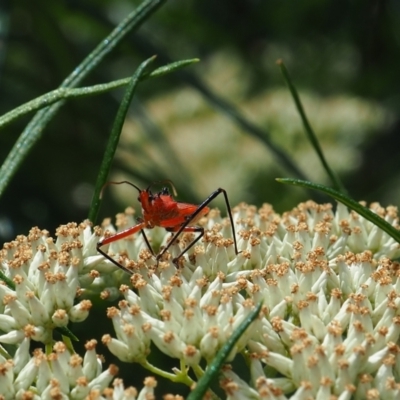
(160, 209)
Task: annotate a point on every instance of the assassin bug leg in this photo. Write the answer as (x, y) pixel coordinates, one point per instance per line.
(147, 242)
(120, 235)
(160, 209)
(199, 212)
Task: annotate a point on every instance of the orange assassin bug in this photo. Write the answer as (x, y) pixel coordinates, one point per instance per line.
(160, 209)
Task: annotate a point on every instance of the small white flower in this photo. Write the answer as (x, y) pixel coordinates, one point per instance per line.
(6, 379)
(21, 356)
(80, 311)
(60, 318)
(12, 337)
(236, 388)
(101, 381)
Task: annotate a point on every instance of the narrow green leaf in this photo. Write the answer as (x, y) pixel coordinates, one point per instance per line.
(68, 342)
(66, 93)
(7, 280)
(66, 333)
(309, 131)
(170, 67)
(33, 132)
(213, 369)
(114, 139)
(349, 202)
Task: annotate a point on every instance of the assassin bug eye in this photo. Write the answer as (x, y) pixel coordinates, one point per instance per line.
(165, 191)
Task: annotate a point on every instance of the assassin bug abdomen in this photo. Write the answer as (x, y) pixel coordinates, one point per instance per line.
(160, 209)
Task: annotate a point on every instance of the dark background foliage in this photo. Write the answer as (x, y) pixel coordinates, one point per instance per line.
(346, 51)
(331, 48)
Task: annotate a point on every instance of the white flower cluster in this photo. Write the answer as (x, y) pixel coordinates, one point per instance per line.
(329, 326)
(39, 285)
(62, 376)
(331, 296)
(44, 278)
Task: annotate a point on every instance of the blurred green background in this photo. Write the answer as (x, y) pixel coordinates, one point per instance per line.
(344, 58)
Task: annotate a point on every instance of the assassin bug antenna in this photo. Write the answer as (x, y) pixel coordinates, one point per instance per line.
(116, 183)
(160, 209)
(138, 189)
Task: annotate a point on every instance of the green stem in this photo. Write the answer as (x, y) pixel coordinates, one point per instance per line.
(198, 371)
(48, 348)
(67, 93)
(309, 131)
(181, 377)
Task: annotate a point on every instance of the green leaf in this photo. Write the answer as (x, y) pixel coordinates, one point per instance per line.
(67, 334)
(7, 280)
(312, 137)
(213, 369)
(35, 128)
(349, 202)
(66, 93)
(114, 139)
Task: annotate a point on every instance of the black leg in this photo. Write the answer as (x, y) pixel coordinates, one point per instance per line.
(98, 248)
(208, 200)
(193, 229)
(147, 242)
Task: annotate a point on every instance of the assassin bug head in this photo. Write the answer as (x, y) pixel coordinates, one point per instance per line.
(150, 200)
(164, 190)
(143, 193)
